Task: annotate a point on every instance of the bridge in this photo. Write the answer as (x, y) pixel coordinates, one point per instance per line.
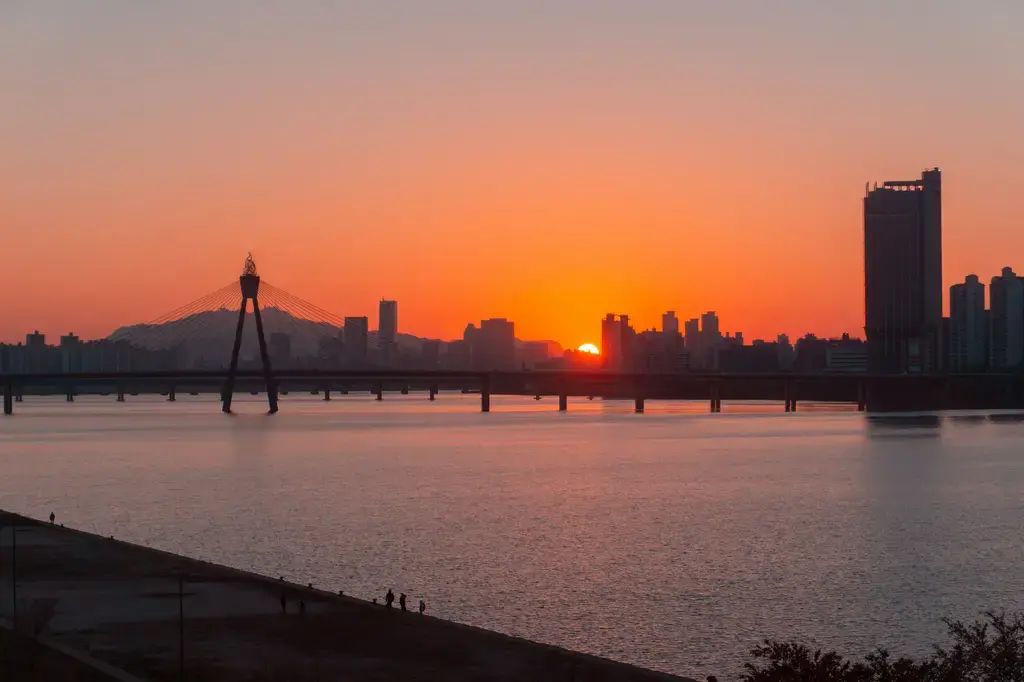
(878, 393)
(176, 347)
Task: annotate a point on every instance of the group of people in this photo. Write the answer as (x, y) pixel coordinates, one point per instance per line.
(389, 599)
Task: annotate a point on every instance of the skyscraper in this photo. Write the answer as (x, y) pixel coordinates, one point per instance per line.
(493, 345)
(616, 341)
(670, 323)
(968, 325)
(1006, 303)
(903, 274)
(356, 339)
(387, 323)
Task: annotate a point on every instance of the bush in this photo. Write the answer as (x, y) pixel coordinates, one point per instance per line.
(990, 650)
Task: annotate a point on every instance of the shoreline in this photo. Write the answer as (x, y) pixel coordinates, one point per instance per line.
(128, 606)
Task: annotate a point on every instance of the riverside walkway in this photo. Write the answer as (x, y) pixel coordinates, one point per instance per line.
(148, 613)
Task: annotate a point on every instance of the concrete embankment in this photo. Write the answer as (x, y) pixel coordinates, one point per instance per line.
(143, 611)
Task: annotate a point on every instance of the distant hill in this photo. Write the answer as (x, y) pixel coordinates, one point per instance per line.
(212, 333)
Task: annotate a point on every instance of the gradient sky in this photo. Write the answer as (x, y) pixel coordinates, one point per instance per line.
(546, 161)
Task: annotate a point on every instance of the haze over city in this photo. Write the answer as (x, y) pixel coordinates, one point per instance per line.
(547, 163)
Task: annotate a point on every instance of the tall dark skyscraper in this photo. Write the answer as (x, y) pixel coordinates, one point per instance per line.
(1006, 301)
(387, 323)
(968, 326)
(903, 274)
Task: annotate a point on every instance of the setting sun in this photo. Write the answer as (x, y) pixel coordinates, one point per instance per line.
(589, 348)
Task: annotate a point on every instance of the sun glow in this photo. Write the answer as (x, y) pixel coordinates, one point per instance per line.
(589, 348)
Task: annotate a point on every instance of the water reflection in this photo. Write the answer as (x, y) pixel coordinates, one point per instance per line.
(1016, 418)
(904, 426)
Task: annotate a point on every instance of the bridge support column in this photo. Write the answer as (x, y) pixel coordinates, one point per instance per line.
(433, 392)
(327, 394)
(862, 397)
(8, 398)
(790, 397)
(18, 397)
(171, 395)
(485, 394)
(716, 400)
(380, 391)
(69, 396)
(563, 402)
(405, 390)
(249, 283)
(120, 394)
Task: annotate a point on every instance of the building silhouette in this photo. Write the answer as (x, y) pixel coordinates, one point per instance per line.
(903, 274)
(387, 324)
(670, 323)
(492, 345)
(356, 339)
(1006, 303)
(968, 326)
(616, 341)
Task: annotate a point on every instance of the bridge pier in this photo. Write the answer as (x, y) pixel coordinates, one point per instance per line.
(8, 398)
(563, 402)
(327, 394)
(433, 392)
(271, 396)
(485, 394)
(716, 400)
(862, 397)
(171, 395)
(120, 395)
(790, 398)
(69, 397)
(18, 397)
(405, 390)
(380, 391)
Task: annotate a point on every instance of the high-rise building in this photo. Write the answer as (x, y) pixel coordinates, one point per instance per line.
(709, 327)
(493, 345)
(903, 274)
(1006, 313)
(35, 340)
(670, 323)
(691, 332)
(387, 323)
(968, 326)
(616, 341)
(357, 331)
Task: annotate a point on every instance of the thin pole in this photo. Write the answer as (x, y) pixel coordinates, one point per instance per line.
(181, 628)
(14, 577)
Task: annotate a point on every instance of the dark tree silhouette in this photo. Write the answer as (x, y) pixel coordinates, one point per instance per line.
(989, 650)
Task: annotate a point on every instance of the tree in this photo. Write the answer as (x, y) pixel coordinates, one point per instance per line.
(989, 650)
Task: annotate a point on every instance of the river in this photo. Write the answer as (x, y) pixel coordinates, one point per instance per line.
(675, 539)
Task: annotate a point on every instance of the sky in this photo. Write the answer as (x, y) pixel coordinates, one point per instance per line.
(547, 161)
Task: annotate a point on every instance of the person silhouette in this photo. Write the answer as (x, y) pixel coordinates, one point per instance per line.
(389, 598)
(401, 601)
(423, 606)
(284, 602)
(52, 517)
(302, 607)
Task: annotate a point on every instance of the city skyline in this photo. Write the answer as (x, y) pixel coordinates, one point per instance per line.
(476, 162)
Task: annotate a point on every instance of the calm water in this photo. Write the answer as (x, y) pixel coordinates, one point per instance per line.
(675, 539)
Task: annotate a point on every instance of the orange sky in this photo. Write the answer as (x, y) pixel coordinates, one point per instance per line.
(548, 166)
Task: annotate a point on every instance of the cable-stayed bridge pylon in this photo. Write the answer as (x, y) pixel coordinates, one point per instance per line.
(286, 330)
